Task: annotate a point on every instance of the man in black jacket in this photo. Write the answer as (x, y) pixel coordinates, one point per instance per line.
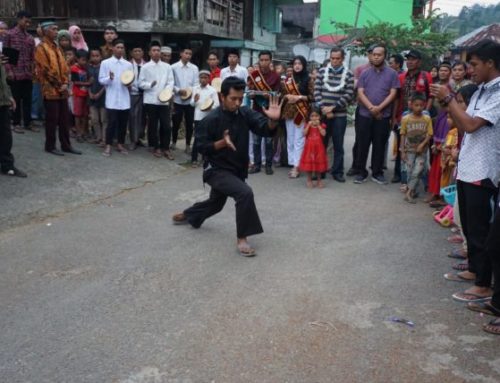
(222, 138)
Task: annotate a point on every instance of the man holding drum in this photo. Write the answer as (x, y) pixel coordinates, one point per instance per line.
(204, 99)
(186, 77)
(157, 82)
(117, 76)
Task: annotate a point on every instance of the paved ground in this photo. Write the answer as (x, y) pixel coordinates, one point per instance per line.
(96, 285)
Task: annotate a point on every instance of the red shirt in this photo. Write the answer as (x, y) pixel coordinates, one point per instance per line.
(214, 74)
(79, 74)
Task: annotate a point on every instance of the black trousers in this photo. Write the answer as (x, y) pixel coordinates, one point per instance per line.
(6, 157)
(225, 184)
(117, 125)
(21, 92)
(180, 111)
(370, 131)
(477, 205)
(493, 252)
(158, 126)
(56, 122)
(194, 151)
(397, 162)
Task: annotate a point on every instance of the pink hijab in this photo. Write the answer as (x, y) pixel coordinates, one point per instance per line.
(81, 44)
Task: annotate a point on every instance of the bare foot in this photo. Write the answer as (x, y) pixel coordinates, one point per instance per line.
(309, 184)
(320, 184)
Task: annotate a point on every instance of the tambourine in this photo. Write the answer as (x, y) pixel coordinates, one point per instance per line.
(127, 77)
(188, 93)
(207, 105)
(217, 84)
(165, 95)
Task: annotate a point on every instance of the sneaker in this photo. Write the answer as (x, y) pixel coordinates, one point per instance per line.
(352, 172)
(254, 170)
(359, 179)
(395, 180)
(380, 179)
(269, 170)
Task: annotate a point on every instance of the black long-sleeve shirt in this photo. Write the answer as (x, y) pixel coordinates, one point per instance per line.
(239, 123)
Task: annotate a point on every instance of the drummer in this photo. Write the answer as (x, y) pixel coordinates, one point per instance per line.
(204, 99)
(117, 95)
(157, 82)
(185, 77)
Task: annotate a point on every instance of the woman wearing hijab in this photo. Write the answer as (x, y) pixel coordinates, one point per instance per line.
(298, 90)
(77, 40)
(63, 40)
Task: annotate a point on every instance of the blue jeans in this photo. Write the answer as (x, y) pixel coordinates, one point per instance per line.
(257, 152)
(37, 112)
(335, 128)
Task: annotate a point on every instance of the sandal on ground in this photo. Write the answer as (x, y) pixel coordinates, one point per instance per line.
(122, 150)
(18, 129)
(455, 239)
(106, 153)
(179, 219)
(246, 251)
(168, 155)
(484, 307)
(456, 277)
(457, 254)
(493, 327)
(158, 154)
(461, 266)
(470, 297)
(293, 174)
(437, 204)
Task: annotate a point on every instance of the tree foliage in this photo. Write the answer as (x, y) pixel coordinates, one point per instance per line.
(470, 18)
(420, 35)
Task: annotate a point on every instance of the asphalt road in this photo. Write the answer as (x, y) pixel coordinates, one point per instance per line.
(96, 285)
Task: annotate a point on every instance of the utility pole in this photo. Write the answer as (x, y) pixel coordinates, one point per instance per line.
(358, 10)
(356, 20)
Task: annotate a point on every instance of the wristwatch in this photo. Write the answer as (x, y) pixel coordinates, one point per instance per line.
(445, 101)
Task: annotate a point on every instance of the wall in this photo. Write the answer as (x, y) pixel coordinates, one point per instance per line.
(344, 11)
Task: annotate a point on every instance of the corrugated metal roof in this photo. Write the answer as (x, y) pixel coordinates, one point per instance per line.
(491, 32)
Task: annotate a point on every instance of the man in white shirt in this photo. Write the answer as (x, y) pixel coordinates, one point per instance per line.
(186, 78)
(478, 174)
(201, 94)
(136, 121)
(117, 96)
(234, 69)
(156, 76)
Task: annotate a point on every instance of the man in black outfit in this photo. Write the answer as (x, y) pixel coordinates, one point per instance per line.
(222, 138)
(7, 104)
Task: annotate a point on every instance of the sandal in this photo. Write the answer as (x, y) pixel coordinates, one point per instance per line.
(457, 254)
(456, 277)
(484, 307)
(455, 239)
(493, 327)
(246, 251)
(462, 266)
(403, 188)
(437, 204)
(470, 297)
(168, 155)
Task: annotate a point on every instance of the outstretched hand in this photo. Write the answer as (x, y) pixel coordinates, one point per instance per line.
(273, 112)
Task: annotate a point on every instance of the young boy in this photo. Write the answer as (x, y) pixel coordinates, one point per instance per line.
(81, 83)
(416, 132)
(201, 94)
(98, 117)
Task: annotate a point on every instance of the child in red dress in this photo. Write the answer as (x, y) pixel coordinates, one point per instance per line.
(314, 158)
